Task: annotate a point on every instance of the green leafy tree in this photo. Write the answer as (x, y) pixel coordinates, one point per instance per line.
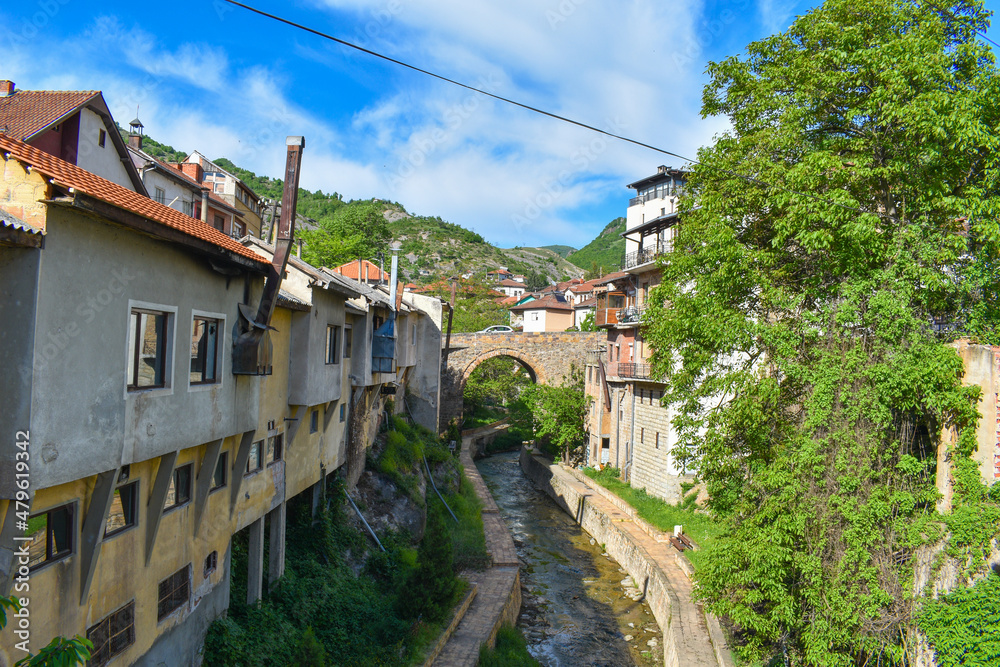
(358, 230)
(586, 324)
(535, 281)
(60, 652)
(497, 381)
(560, 413)
(793, 325)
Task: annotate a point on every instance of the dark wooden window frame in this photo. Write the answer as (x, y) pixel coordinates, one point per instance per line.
(50, 556)
(112, 634)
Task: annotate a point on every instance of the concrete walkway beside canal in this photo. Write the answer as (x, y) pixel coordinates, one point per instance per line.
(498, 596)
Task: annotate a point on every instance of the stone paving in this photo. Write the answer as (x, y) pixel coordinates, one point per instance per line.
(499, 587)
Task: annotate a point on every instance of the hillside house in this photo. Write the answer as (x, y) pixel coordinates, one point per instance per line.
(547, 313)
(230, 188)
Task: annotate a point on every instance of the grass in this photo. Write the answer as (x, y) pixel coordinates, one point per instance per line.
(511, 650)
(483, 415)
(702, 529)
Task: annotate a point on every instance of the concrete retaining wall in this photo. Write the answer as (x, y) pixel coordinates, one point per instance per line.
(685, 633)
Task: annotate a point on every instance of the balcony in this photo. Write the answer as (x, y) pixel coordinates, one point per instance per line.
(663, 193)
(646, 254)
(628, 369)
(628, 316)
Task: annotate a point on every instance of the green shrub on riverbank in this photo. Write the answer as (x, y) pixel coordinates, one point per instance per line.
(386, 613)
(511, 650)
(660, 513)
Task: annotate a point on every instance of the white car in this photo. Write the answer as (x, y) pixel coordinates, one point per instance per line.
(497, 328)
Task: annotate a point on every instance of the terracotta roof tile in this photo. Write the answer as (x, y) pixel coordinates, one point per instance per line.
(547, 302)
(350, 269)
(26, 112)
(69, 175)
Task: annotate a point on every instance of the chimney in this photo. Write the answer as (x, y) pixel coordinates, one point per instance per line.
(192, 169)
(204, 205)
(6, 88)
(662, 169)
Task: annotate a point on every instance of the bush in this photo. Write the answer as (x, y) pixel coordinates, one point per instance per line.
(511, 650)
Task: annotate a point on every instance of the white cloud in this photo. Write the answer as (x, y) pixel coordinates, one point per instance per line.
(437, 149)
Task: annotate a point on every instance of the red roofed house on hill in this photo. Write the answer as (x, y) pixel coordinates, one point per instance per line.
(548, 313)
(73, 125)
(363, 271)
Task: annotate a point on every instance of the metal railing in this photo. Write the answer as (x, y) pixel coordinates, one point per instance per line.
(645, 255)
(628, 369)
(630, 315)
(662, 194)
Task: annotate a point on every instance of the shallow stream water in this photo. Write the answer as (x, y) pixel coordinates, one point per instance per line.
(579, 607)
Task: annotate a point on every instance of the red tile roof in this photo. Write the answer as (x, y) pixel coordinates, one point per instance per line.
(547, 302)
(69, 175)
(510, 283)
(350, 270)
(27, 112)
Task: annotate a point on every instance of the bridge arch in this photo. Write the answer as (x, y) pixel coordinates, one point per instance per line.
(534, 367)
(548, 356)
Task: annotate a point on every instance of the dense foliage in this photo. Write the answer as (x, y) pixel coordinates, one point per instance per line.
(605, 253)
(797, 338)
(356, 231)
(559, 414)
(964, 626)
(340, 601)
(498, 381)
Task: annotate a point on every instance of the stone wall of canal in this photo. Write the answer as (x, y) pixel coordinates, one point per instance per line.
(687, 638)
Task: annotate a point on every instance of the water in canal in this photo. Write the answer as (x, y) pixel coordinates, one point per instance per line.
(579, 608)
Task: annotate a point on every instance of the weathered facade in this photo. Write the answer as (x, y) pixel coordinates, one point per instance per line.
(133, 451)
(628, 427)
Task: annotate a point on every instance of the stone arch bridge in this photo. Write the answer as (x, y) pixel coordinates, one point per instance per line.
(546, 356)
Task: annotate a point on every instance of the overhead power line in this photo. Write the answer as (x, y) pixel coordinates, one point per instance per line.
(748, 179)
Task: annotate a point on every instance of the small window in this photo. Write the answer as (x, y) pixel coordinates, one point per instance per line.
(102, 138)
(413, 334)
(642, 435)
(161, 196)
(124, 509)
(256, 460)
(657, 440)
(332, 344)
(148, 342)
(314, 421)
(174, 592)
(239, 230)
(51, 536)
(187, 207)
(343, 411)
(179, 491)
(204, 351)
(219, 476)
(348, 341)
(211, 562)
(112, 635)
(219, 223)
(275, 448)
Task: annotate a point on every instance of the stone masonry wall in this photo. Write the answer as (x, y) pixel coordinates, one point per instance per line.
(548, 356)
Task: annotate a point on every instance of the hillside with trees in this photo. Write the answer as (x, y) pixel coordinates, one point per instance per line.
(605, 253)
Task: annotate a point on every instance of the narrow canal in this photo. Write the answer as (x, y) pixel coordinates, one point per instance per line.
(579, 608)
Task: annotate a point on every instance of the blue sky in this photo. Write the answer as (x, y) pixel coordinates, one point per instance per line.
(212, 77)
